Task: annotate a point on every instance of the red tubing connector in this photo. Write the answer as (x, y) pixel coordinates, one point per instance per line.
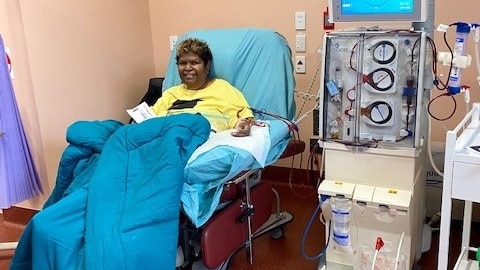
(379, 244)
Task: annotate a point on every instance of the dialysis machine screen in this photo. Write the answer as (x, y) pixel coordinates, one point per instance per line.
(377, 10)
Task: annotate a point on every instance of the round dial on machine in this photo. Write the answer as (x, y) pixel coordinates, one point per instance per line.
(381, 79)
(351, 94)
(384, 52)
(379, 112)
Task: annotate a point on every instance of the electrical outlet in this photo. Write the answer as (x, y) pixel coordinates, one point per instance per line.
(300, 64)
(173, 41)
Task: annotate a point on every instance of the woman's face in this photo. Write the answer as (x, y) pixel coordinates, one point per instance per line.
(193, 71)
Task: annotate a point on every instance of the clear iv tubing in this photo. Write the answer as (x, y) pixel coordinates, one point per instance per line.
(374, 259)
(359, 85)
(305, 232)
(397, 259)
(476, 38)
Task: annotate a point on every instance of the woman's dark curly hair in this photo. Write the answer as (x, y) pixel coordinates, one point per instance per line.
(196, 46)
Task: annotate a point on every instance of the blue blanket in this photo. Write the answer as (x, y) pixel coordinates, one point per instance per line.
(117, 197)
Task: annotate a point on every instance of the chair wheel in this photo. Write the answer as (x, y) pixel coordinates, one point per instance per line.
(278, 232)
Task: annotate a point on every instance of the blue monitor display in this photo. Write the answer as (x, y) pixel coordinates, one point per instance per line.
(377, 10)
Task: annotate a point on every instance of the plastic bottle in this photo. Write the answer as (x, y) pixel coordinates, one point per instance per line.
(341, 220)
(454, 85)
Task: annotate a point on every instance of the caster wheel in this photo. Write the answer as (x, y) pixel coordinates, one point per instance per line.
(278, 232)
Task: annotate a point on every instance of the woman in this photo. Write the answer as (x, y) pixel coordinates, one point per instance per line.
(221, 103)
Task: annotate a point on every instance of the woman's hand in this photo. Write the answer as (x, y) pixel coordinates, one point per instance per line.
(242, 128)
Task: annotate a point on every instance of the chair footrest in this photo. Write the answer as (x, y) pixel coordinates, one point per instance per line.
(224, 234)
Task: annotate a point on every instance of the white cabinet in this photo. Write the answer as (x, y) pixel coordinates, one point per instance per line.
(461, 181)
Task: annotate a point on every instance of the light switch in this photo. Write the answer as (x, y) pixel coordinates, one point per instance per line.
(300, 20)
(173, 41)
(300, 42)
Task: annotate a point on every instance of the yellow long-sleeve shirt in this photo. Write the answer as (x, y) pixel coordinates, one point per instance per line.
(220, 102)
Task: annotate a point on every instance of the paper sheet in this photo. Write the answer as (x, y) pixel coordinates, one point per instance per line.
(141, 113)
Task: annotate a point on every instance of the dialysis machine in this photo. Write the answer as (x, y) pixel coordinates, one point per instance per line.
(373, 131)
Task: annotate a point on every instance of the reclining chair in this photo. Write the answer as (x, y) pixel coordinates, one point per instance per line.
(258, 62)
